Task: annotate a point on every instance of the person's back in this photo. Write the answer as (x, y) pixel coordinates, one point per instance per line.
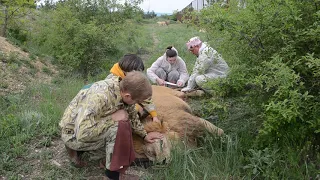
(80, 110)
(209, 65)
(90, 122)
(216, 64)
(129, 63)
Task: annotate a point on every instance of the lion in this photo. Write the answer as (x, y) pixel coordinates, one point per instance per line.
(178, 124)
(163, 23)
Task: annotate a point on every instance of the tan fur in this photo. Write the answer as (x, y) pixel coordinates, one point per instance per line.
(178, 121)
(163, 23)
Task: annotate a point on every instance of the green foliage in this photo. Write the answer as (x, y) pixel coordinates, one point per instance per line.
(46, 70)
(11, 13)
(270, 98)
(263, 161)
(273, 51)
(22, 120)
(149, 15)
(217, 158)
(86, 35)
(174, 15)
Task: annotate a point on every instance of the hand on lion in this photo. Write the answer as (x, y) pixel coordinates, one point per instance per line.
(155, 119)
(153, 136)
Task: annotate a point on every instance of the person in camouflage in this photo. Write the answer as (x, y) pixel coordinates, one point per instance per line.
(90, 122)
(209, 66)
(128, 63)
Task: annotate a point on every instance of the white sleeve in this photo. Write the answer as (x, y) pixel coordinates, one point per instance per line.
(151, 71)
(184, 75)
(201, 65)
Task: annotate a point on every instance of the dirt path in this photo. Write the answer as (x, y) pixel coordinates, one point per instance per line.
(44, 159)
(145, 56)
(155, 40)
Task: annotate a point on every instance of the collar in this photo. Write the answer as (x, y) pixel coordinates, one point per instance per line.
(203, 46)
(116, 70)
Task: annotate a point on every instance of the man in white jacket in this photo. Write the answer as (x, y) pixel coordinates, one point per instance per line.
(209, 65)
(169, 68)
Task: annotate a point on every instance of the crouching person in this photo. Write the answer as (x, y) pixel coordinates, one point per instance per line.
(100, 119)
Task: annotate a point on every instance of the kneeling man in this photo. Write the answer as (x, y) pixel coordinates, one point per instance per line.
(92, 120)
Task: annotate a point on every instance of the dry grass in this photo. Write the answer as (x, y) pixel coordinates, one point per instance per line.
(17, 69)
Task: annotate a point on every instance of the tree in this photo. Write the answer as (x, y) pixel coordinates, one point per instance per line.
(85, 36)
(12, 10)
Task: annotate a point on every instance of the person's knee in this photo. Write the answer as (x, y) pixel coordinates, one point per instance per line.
(200, 80)
(161, 73)
(173, 76)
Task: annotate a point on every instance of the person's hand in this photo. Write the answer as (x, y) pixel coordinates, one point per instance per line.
(155, 119)
(153, 136)
(160, 82)
(179, 84)
(186, 89)
(120, 115)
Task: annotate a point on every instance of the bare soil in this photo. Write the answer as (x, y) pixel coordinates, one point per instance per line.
(17, 69)
(55, 156)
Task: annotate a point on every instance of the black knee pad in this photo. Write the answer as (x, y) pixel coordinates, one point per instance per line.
(112, 174)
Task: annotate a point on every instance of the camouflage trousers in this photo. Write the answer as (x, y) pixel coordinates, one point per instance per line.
(102, 148)
(172, 76)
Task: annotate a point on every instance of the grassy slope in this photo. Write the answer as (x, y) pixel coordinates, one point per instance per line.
(29, 134)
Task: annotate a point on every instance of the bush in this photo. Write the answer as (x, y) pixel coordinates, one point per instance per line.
(85, 36)
(272, 49)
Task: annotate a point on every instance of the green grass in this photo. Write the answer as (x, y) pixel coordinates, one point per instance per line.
(217, 158)
(33, 115)
(173, 35)
(29, 128)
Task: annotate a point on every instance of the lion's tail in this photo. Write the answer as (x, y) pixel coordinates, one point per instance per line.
(211, 128)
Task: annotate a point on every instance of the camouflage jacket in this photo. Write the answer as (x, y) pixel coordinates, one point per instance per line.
(88, 115)
(147, 104)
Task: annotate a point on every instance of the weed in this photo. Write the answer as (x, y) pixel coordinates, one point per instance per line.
(3, 84)
(46, 70)
(13, 58)
(3, 57)
(29, 64)
(32, 57)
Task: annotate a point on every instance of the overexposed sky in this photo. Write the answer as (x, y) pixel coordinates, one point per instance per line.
(164, 6)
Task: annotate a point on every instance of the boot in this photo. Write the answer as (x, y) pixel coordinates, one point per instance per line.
(75, 158)
(196, 93)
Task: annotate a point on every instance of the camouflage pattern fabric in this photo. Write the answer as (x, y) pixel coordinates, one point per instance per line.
(86, 124)
(147, 104)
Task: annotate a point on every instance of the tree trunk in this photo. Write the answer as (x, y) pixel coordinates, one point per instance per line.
(5, 22)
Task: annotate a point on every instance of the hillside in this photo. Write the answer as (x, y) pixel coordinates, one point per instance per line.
(19, 68)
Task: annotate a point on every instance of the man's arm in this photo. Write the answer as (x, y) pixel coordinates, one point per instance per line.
(137, 126)
(149, 106)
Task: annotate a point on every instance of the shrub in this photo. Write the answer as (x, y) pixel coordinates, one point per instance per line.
(273, 51)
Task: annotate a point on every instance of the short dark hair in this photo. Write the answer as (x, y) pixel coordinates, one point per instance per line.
(170, 52)
(131, 62)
